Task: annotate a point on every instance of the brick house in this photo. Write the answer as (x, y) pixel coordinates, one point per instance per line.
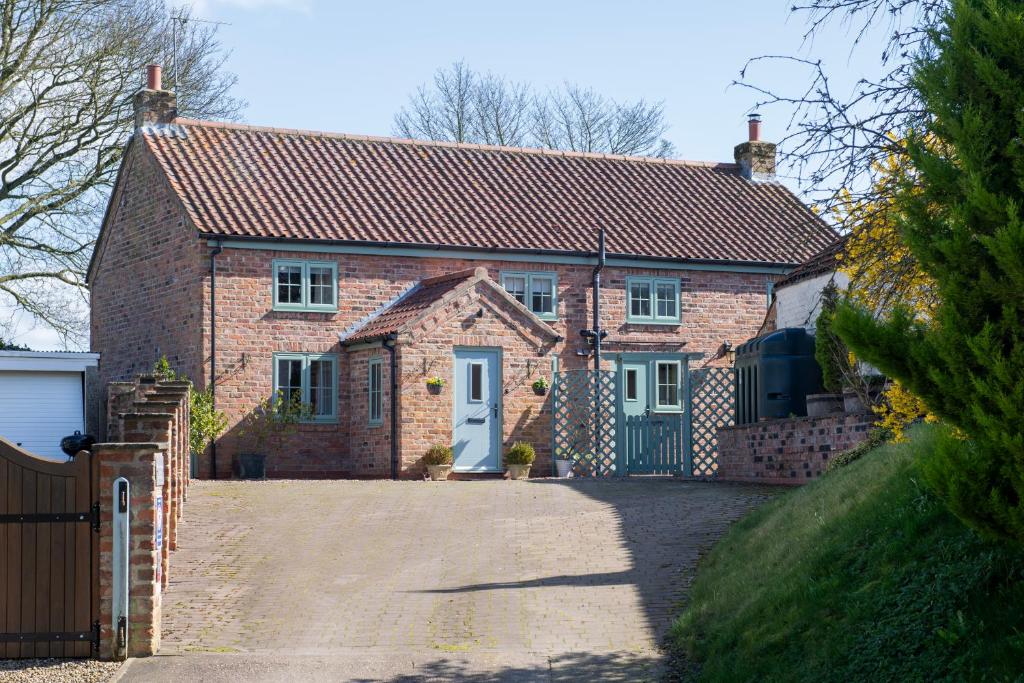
(352, 269)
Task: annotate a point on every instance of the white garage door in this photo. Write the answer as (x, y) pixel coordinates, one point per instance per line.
(37, 409)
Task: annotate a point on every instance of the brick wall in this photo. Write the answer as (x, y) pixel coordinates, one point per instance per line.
(790, 451)
(716, 306)
(145, 293)
(151, 446)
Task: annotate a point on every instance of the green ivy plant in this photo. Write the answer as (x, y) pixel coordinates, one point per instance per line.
(541, 384)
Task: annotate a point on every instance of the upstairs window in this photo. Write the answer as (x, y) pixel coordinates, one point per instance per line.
(652, 300)
(310, 378)
(537, 291)
(305, 286)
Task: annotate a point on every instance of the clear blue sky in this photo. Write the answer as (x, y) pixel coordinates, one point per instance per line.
(348, 66)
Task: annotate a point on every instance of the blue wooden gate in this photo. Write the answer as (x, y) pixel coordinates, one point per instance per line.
(655, 443)
(585, 430)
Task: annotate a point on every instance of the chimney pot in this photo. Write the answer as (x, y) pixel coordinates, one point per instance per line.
(754, 127)
(755, 158)
(153, 105)
(153, 76)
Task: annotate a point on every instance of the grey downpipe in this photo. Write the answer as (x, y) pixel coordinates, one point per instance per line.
(213, 349)
(389, 344)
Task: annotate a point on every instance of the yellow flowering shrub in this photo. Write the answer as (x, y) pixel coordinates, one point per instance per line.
(884, 274)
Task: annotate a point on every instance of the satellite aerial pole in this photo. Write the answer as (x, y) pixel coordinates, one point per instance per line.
(182, 19)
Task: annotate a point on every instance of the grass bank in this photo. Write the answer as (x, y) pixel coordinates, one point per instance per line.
(862, 575)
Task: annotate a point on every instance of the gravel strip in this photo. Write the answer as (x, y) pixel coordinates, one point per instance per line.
(56, 670)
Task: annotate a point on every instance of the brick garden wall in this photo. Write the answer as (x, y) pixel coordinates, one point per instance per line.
(790, 451)
(149, 428)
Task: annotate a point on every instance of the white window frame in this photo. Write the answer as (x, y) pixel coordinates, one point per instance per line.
(529, 277)
(666, 407)
(306, 386)
(375, 399)
(653, 318)
(305, 304)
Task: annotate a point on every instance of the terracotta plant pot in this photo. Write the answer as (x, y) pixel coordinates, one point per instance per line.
(819, 405)
(435, 389)
(439, 472)
(519, 471)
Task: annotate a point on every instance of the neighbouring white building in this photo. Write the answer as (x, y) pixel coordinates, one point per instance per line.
(43, 398)
(797, 297)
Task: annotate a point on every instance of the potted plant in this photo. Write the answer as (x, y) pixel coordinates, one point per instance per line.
(275, 416)
(435, 385)
(518, 460)
(563, 464)
(439, 462)
(540, 386)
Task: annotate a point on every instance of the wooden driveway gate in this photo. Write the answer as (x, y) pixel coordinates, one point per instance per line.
(49, 550)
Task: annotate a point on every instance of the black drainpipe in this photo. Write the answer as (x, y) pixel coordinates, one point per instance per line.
(213, 349)
(389, 344)
(598, 332)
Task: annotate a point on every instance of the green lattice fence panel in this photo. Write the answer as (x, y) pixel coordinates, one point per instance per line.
(584, 421)
(712, 406)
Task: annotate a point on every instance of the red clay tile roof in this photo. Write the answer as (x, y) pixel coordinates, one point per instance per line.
(242, 181)
(423, 298)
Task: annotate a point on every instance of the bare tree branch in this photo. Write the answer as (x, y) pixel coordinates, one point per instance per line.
(68, 70)
(463, 106)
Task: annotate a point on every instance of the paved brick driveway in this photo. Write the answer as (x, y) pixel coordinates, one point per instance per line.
(487, 573)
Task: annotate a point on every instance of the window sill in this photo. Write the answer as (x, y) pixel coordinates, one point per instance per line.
(660, 323)
(302, 309)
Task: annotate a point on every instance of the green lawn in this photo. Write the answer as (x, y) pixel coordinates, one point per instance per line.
(862, 575)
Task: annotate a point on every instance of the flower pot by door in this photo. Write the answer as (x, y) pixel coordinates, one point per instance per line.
(439, 472)
(435, 389)
(251, 466)
(564, 468)
(519, 471)
(824, 404)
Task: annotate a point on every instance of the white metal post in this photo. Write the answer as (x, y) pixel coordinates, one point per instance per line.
(121, 527)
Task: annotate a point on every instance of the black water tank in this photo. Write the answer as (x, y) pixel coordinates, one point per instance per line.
(774, 374)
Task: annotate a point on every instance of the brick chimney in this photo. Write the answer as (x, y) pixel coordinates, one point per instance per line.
(152, 103)
(755, 158)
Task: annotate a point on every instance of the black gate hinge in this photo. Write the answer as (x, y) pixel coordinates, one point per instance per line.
(96, 635)
(96, 519)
